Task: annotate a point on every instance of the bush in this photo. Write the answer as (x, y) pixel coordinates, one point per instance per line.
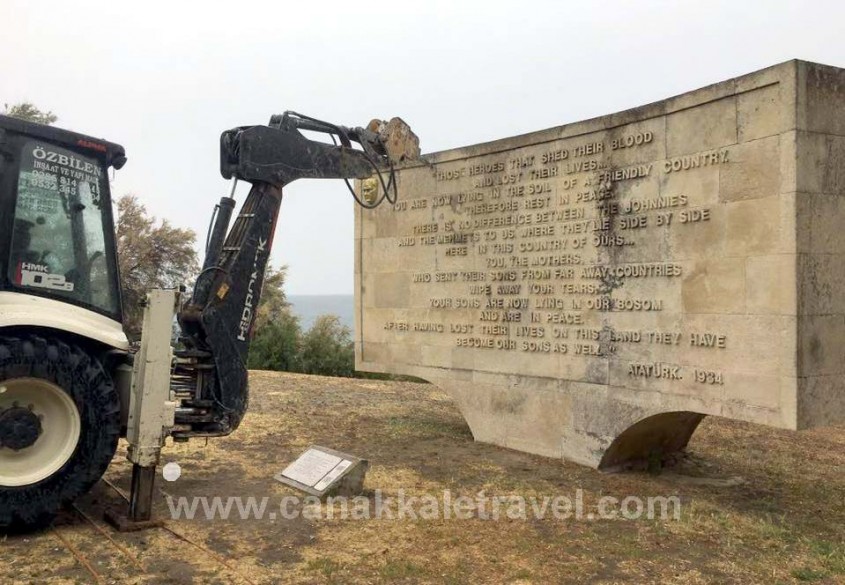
(327, 348)
(276, 344)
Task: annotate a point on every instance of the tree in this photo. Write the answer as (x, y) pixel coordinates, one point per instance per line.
(151, 255)
(327, 348)
(29, 112)
(274, 303)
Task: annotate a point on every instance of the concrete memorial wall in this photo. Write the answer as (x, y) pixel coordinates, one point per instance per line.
(592, 291)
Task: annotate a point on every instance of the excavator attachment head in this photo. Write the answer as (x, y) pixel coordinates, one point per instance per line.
(399, 141)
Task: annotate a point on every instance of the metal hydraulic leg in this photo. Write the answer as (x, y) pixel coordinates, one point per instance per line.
(151, 410)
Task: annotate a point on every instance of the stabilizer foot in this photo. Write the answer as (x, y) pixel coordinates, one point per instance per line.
(122, 523)
(140, 503)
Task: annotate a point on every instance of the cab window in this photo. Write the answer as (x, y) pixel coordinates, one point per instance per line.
(58, 237)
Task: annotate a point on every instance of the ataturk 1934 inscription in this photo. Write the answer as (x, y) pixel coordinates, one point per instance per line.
(540, 224)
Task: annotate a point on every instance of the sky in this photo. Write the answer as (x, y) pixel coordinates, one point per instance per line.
(165, 78)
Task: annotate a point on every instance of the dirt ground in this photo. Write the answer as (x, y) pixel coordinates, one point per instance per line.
(757, 506)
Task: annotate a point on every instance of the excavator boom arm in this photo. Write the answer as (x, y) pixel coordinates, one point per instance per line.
(217, 321)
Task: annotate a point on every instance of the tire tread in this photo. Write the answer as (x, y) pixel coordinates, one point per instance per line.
(82, 376)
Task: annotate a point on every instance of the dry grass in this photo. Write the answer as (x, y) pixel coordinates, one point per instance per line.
(783, 523)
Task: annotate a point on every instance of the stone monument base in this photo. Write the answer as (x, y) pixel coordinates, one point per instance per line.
(587, 425)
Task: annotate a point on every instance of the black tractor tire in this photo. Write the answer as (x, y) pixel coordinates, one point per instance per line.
(81, 376)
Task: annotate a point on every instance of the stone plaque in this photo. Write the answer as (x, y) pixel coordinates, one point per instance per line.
(593, 290)
(320, 471)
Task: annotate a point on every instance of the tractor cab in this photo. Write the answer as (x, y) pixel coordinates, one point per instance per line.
(56, 224)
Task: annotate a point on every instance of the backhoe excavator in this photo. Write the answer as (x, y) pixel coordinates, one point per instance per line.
(70, 385)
